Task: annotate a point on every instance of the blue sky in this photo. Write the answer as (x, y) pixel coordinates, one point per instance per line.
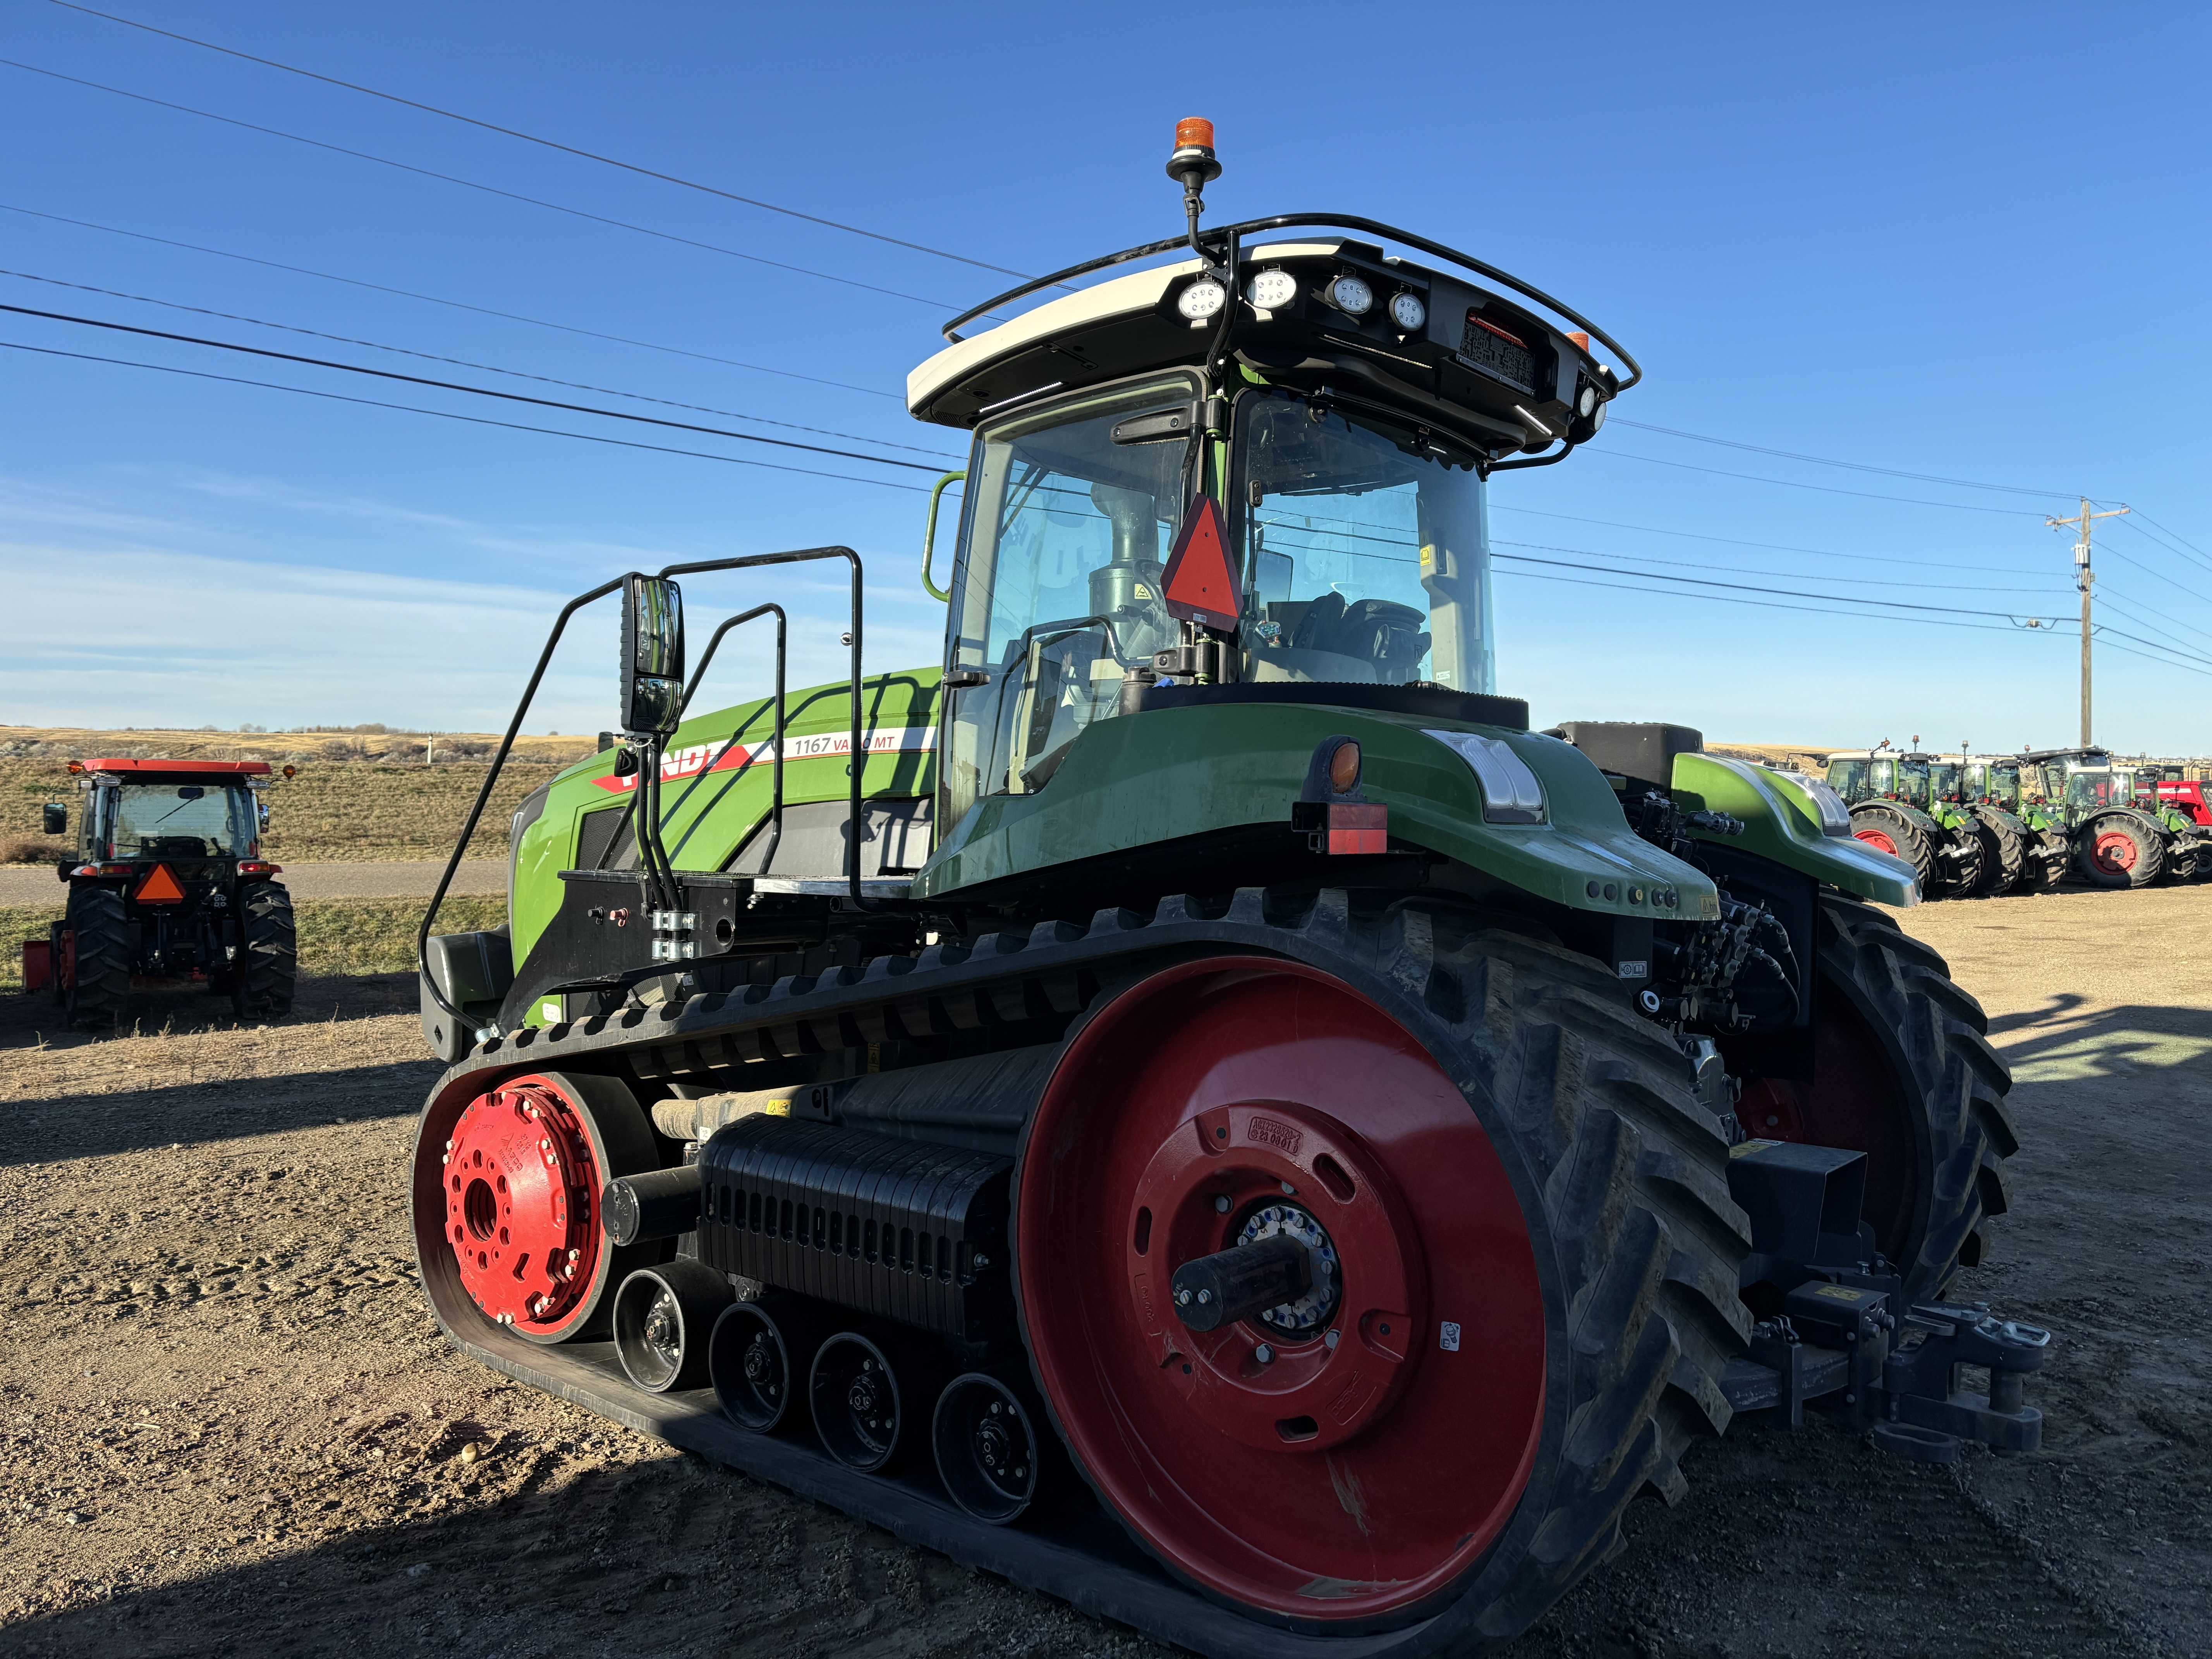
(1966, 241)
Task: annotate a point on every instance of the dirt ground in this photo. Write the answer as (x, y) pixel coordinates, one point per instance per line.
(227, 1425)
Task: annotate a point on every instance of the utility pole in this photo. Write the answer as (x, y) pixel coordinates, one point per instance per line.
(2083, 577)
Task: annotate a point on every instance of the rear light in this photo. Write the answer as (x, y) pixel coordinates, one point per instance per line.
(104, 870)
(255, 867)
(76, 766)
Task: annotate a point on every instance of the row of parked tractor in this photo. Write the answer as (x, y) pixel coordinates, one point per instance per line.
(1975, 826)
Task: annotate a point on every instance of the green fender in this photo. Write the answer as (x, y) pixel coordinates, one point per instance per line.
(1784, 820)
(1149, 779)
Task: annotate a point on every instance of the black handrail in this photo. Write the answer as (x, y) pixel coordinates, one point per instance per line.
(776, 808)
(491, 777)
(859, 901)
(1227, 234)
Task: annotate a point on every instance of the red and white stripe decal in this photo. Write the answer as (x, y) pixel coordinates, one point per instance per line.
(690, 761)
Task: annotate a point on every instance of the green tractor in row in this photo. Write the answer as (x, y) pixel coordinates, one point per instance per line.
(2121, 832)
(1188, 1102)
(1911, 806)
(2032, 855)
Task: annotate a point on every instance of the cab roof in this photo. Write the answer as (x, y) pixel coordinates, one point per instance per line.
(178, 769)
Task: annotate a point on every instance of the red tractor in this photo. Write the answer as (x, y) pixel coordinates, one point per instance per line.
(2183, 795)
(168, 888)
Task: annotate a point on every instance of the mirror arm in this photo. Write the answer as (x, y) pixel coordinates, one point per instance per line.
(484, 795)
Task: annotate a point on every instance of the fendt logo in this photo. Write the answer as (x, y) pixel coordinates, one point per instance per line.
(1268, 1131)
(692, 760)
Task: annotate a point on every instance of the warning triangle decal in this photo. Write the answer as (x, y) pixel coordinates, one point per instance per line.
(159, 888)
(1200, 584)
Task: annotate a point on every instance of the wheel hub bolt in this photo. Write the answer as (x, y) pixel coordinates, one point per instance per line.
(758, 1361)
(993, 1445)
(1264, 1354)
(1221, 1204)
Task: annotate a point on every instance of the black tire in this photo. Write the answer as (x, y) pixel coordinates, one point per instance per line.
(1905, 1072)
(2004, 854)
(1626, 1199)
(98, 992)
(2118, 850)
(262, 979)
(2045, 873)
(1961, 862)
(1889, 830)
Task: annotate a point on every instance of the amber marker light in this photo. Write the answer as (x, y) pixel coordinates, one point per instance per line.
(1344, 768)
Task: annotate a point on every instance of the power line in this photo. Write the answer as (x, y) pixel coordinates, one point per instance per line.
(470, 184)
(1794, 484)
(548, 144)
(1741, 570)
(1748, 587)
(456, 386)
(458, 305)
(2171, 642)
(464, 362)
(1792, 455)
(2153, 571)
(472, 420)
(1737, 541)
(2164, 545)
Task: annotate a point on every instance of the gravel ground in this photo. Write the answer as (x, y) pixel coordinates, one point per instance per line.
(229, 1424)
(37, 883)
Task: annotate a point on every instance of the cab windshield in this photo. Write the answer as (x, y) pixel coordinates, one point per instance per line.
(1943, 781)
(1912, 780)
(177, 820)
(1362, 557)
(2002, 787)
(2088, 790)
(1848, 779)
(1366, 551)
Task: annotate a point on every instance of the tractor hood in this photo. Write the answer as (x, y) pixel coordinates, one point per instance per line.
(1784, 820)
(1182, 773)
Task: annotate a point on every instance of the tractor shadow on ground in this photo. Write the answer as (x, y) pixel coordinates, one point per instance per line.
(676, 1556)
(64, 1127)
(2058, 1043)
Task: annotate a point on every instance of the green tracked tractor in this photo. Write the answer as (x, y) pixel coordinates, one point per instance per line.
(1188, 1102)
(1910, 805)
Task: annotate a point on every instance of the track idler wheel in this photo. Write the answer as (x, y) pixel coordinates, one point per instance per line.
(864, 1406)
(992, 1451)
(759, 1357)
(663, 1318)
(518, 1180)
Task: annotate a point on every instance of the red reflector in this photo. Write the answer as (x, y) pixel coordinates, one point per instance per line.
(1359, 829)
(159, 888)
(1199, 585)
(255, 869)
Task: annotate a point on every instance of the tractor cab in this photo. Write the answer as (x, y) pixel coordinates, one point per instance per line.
(168, 889)
(1993, 781)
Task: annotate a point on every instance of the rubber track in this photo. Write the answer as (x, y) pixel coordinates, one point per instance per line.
(1620, 1164)
(1958, 1082)
(102, 929)
(270, 952)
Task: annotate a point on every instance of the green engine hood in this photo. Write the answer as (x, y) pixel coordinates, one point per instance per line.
(1782, 821)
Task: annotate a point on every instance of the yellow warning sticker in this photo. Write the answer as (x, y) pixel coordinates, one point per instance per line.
(1143, 591)
(1429, 559)
(1840, 1292)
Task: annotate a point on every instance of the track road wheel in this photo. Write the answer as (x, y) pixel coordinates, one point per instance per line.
(262, 979)
(507, 1211)
(97, 948)
(1521, 1287)
(1902, 1073)
(2004, 855)
(2118, 852)
(1889, 831)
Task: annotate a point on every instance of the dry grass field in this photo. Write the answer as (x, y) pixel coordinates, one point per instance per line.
(336, 936)
(334, 811)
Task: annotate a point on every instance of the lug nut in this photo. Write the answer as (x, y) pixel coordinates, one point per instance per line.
(1264, 1354)
(1289, 1191)
(1330, 1339)
(1221, 1204)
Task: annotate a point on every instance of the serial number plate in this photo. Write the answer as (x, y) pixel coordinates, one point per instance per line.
(1484, 349)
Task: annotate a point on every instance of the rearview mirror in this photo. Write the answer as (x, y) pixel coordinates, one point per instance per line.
(651, 655)
(54, 820)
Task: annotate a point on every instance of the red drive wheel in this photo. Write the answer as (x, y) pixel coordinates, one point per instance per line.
(519, 1179)
(1340, 1457)
(2114, 853)
(1880, 840)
